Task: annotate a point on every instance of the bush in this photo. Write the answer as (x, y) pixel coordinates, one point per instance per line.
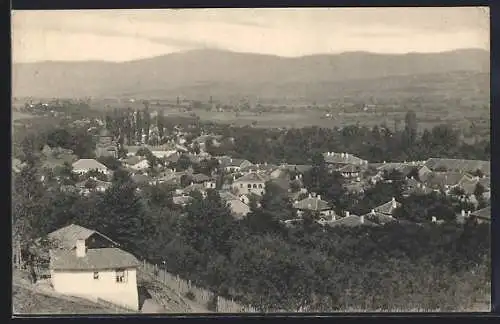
(190, 295)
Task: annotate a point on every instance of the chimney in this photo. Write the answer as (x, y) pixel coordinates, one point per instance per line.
(300, 176)
(231, 160)
(412, 177)
(81, 250)
(394, 205)
(346, 155)
(346, 214)
(468, 213)
(192, 183)
(310, 196)
(434, 219)
(362, 219)
(319, 197)
(373, 212)
(463, 213)
(342, 155)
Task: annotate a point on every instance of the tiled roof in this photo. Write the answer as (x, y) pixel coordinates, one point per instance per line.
(99, 183)
(194, 187)
(133, 160)
(379, 218)
(231, 162)
(311, 203)
(351, 220)
(89, 164)
(226, 195)
(252, 177)
(200, 177)
(68, 235)
(484, 213)
(341, 158)
(459, 165)
(140, 178)
(443, 179)
(349, 169)
(181, 200)
(486, 182)
(387, 208)
(95, 259)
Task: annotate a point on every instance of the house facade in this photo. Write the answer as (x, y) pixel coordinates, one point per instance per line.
(108, 274)
(251, 183)
(83, 166)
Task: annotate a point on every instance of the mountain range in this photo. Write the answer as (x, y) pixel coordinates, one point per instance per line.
(225, 74)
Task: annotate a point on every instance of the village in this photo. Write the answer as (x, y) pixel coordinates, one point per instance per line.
(108, 273)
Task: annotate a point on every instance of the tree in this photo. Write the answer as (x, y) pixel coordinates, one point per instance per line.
(110, 162)
(479, 190)
(411, 127)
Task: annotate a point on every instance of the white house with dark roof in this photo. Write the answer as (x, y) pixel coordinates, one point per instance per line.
(86, 263)
(108, 274)
(251, 183)
(83, 166)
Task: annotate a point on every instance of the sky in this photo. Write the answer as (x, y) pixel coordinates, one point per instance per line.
(124, 35)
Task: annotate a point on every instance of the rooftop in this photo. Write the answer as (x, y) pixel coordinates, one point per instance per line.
(68, 235)
(94, 259)
(312, 203)
(89, 164)
(252, 177)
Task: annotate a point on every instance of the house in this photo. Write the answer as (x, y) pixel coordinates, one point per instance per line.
(194, 187)
(463, 216)
(17, 165)
(106, 145)
(314, 204)
(141, 179)
(296, 168)
(181, 200)
(201, 178)
(482, 215)
(239, 209)
(458, 165)
(233, 165)
(92, 184)
(341, 159)
(351, 221)
(442, 180)
(107, 274)
(143, 164)
(251, 183)
(384, 213)
(83, 166)
(66, 237)
(414, 187)
(349, 171)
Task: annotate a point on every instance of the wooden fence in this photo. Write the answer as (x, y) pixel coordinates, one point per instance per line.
(200, 295)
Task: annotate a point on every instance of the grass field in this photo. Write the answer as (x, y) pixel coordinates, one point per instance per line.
(17, 115)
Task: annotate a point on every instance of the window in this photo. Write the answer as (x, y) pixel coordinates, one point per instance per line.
(249, 186)
(255, 186)
(241, 185)
(260, 185)
(120, 276)
(96, 275)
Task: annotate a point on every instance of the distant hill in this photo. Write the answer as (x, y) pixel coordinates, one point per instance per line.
(201, 73)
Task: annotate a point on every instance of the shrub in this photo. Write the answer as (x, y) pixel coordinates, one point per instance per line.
(190, 295)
